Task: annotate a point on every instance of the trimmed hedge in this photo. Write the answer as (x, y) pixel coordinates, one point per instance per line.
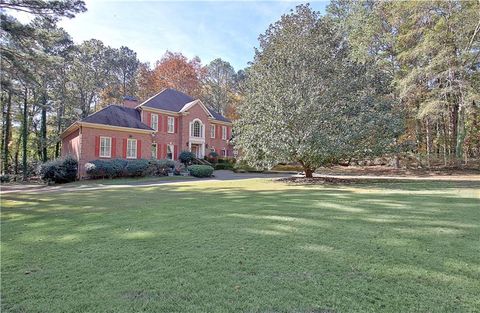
(223, 166)
(128, 168)
(63, 170)
(200, 170)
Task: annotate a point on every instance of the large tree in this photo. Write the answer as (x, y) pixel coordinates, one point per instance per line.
(173, 70)
(219, 85)
(431, 51)
(307, 102)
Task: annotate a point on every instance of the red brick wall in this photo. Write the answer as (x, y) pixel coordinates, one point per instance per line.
(88, 144)
(70, 145)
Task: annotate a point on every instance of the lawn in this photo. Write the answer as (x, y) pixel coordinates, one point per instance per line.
(244, 246)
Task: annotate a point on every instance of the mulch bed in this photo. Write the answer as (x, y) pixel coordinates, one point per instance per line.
(315, 180)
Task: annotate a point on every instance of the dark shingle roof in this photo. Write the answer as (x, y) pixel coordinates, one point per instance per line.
(115, 115)
(218, 116)
(174, 100)
(169, 100)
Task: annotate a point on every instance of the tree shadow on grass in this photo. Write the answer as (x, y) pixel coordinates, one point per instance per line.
(393, 246)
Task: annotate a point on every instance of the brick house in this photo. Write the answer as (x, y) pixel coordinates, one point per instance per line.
(161, 127)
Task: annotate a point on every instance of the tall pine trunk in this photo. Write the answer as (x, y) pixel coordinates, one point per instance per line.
(6, 133)
(43, 130)
(25, 135)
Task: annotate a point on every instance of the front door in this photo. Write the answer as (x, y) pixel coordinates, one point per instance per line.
(195, 150)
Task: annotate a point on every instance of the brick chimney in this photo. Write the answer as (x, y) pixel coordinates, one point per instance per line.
(130, 102)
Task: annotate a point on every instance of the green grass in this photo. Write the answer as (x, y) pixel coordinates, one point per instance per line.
(244, 246)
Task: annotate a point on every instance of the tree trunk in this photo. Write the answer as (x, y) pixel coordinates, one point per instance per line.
(6, 133)
(453, 127)
(308, 172)
(429, 141)
(25, 135)
(43, 130)
(460, 134)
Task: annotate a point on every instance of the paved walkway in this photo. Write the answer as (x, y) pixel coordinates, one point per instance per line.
(221, 175)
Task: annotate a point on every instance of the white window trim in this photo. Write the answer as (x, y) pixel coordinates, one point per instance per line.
(156, 150)
(136, 147)
(213, 129)
(172, 148)
(152, 117)
(224, 132)
(109, 155)
(202, 129)
(171, 118)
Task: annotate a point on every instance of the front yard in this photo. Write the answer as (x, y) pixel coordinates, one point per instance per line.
(244, 246)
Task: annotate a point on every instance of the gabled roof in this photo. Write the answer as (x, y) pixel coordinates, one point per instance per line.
(174, 100)
(115, 115)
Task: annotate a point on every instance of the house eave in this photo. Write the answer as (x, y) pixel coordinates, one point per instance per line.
(119, 128)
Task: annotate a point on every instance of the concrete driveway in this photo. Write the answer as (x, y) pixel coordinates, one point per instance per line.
(220, 175)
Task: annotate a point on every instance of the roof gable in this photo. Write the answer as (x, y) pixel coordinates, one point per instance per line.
(176, 101)
(115, 115)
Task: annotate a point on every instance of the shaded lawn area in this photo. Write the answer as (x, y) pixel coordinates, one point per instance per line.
(244, 246)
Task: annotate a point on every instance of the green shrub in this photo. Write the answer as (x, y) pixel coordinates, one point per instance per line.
(136, 168)
(186, 157)
(128, 168)
(59, 171)
(223, 166)
(160, 167)
(5, 178)
(200, 170)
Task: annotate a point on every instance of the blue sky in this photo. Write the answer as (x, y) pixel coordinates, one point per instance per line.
(210, 29)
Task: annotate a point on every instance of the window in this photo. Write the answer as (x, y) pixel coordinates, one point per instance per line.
(212, 149)
(196, 129)
(171, 124)
(154, 121)
(224, 132)
(170, 152)
(131, 148)
(105, 147)
(154, 150)
(224, 152)
(212, 131)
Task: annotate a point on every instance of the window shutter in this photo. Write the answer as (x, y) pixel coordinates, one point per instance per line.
(139, 149)
(149, 119)
(165, 151)
(114, 146)
(165, 126)
(125, 148)
(159, 122)
(159, 149)
(176, 125)
(97, 146)
(175, 152)
(219, 129)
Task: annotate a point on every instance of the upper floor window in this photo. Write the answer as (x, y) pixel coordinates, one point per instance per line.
(131, 148)
(154, 121)
(105, 147)
(212, 131)
(196, 129)
(171, 124)
(224, 132)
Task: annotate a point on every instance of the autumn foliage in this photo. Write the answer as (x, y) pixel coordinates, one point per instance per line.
(173, 70)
